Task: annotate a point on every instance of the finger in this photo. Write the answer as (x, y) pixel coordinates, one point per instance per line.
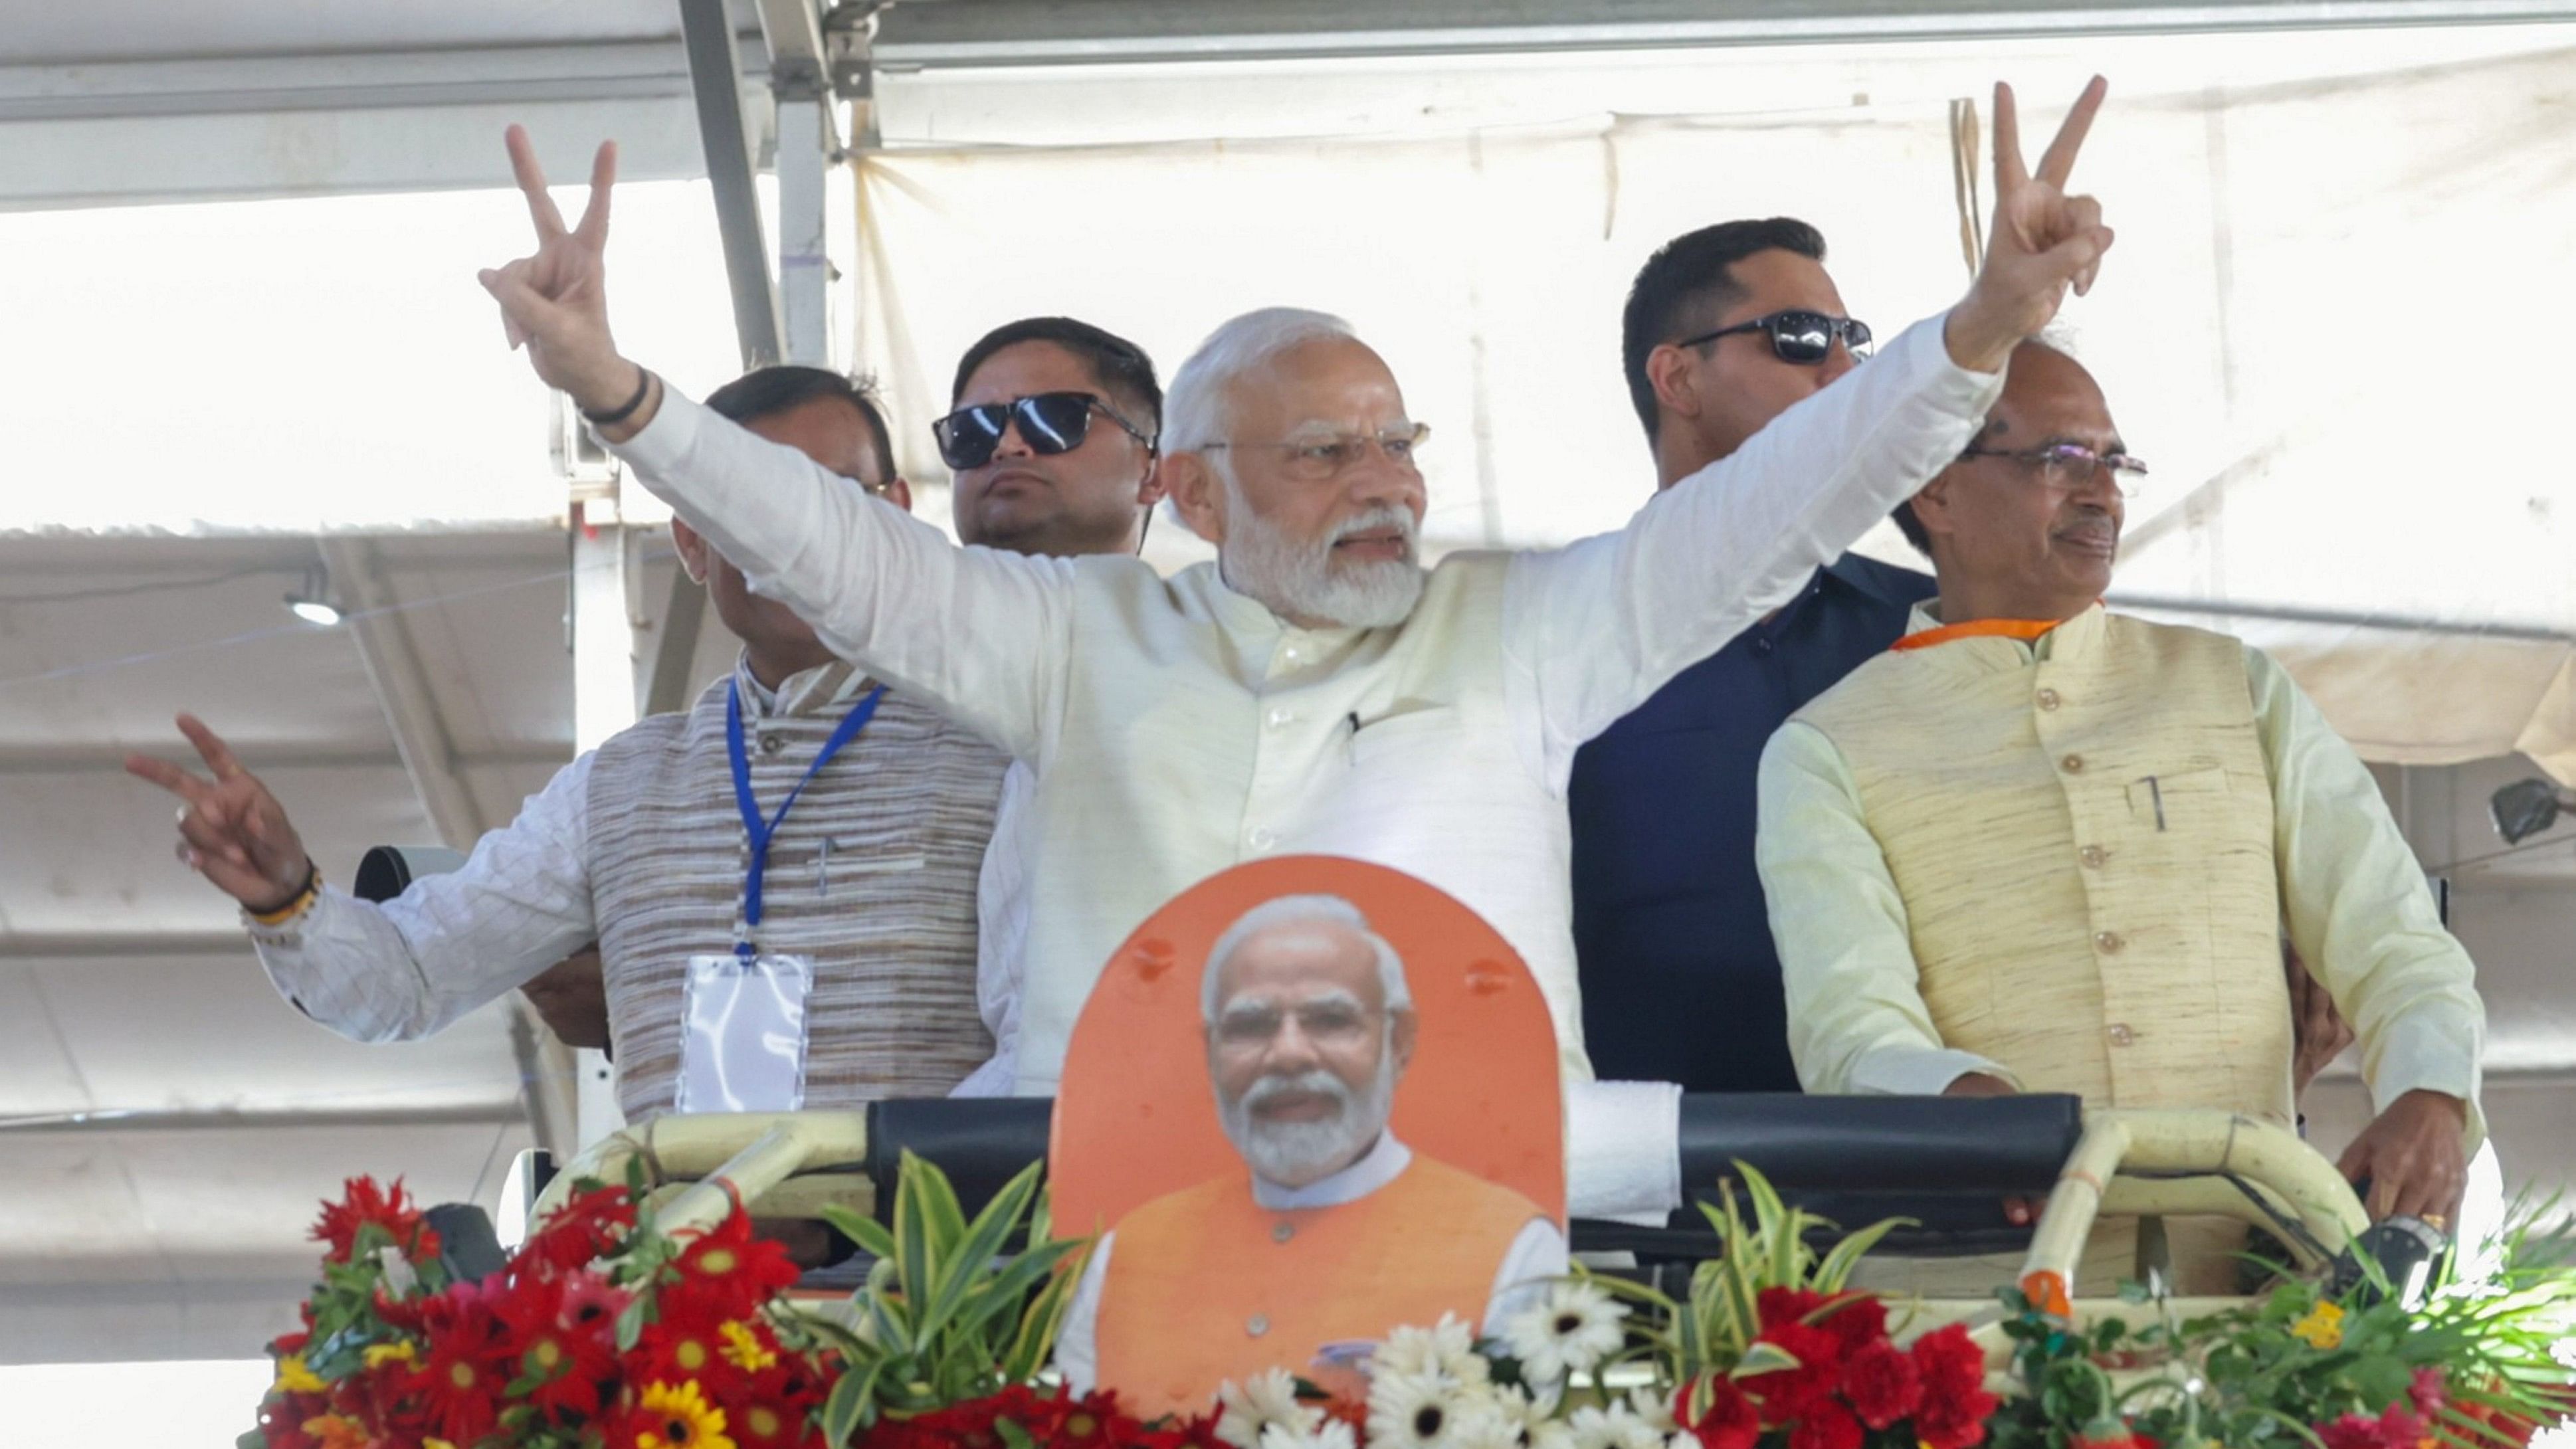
(2009, 174)
(593, 226)
(532, 182)
(2059, 162)
(168, 776)
(211, 748)
(209, 839)
(519, 302)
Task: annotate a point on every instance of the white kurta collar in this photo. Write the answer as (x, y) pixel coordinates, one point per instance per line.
(1381, 1165)
(803, 692)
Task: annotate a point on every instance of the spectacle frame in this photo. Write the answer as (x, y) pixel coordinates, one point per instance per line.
(1315, 460)
(1049, 422)
(2071, 465)
(1798, 335)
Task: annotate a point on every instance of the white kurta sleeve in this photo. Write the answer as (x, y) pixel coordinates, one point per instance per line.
(1857, 1021)
(1600, 625)
(449, 943)
(2359, 909)
(982, 634)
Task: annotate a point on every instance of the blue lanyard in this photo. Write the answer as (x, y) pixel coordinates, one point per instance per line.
(762, 831)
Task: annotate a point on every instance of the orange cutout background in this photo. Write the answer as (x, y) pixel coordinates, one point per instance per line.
(1135, 1117)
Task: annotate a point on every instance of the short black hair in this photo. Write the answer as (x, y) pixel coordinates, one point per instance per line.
(1687, 282)
(1121, 367)
(765, 392)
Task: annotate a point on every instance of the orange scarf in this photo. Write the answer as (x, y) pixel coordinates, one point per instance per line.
(2025, 630)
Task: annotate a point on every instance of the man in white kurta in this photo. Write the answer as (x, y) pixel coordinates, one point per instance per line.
(1173, 728)
(2044, 847)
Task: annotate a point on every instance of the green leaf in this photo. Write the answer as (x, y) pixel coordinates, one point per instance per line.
(1763, 1358)
(867, 1232)
(975, 1250)
(1013, 1436)
(851, 1407)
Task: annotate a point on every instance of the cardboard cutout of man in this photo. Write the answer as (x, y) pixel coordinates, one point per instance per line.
(1333, 1231)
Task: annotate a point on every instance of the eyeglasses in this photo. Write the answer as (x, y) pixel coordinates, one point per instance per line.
(1799, 336)
(1050, 422)
(2071, 465)
(1317, 459)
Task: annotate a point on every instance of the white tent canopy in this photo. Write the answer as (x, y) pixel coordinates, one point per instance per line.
(2324, 323)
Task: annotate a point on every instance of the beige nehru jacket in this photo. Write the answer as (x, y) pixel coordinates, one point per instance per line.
(2070, 863)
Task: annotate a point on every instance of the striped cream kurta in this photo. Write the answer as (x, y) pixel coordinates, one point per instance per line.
(871, 876)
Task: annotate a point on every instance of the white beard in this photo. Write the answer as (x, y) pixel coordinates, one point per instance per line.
(1298, 579)
(1295, 1154)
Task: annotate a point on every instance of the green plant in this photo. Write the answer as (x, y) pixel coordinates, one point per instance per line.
(2473, 1365)
(945, 1316)
(1716, 1327)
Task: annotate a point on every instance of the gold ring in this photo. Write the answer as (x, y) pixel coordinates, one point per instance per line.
(2436, 1221)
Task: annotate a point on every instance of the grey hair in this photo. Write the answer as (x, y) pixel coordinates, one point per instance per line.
(1195, 409)
(1280, 911)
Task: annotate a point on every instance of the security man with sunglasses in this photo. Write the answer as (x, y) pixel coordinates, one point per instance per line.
(1726, 328)
(1315, 689)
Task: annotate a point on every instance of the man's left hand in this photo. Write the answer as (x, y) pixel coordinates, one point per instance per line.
(2415, 1157)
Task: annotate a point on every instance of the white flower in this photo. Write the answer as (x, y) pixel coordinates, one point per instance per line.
(1571, 1330)
(1267, 1398)
(1446, 1350)
(1413, 1410)
(1655, 1408)
(1503, 1416)
(1325, 1434)
(1616, 1427)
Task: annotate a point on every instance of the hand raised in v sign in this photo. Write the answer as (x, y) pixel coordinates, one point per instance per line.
(2042, 242)
(554, 302)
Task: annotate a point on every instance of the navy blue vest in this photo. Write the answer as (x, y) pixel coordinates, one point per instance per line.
(1672, 940)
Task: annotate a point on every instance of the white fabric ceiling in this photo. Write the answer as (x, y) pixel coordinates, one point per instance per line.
(2309, 326)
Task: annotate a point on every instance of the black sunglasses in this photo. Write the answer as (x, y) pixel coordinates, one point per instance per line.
(1050, 422)
(1798, 336)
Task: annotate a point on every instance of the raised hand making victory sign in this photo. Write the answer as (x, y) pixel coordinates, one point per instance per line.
(232, 831)
(2043, 240)
(554, 302)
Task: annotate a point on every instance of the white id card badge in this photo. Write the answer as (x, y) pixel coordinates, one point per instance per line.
(742, 1034)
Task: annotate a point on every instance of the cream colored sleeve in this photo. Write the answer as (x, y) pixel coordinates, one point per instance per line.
(1857, 1022)
(2359, 909)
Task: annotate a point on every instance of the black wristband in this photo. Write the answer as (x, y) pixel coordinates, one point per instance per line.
(312, 883)
(643, 388)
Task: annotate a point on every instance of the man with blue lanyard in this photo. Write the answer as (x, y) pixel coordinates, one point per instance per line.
(782, 880)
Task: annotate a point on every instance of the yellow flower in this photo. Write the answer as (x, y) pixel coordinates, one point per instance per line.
(337, 1431)
(688, 1421)
(436, 1444)
(2322, 1328)
(743, 1349)
(399, 1351)
(294, 1378)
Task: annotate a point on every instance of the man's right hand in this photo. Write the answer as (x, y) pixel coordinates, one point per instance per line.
(2043, 241)
(554, 301)
(231, 830)
(2021, 1212)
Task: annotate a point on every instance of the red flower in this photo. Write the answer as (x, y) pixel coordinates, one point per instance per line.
(1856, 1319)
(2397, 1428)
(467, 1362)
(588, 1226)
(1776, 1306)
(726, 1273)
(1881, 1383)
(1955, 1402)
(363, 1203)
(1786, 1394)
(1826, 1426)
(575, 1367)
(678, 1352)
(2109, 1434)
(1729, 1422)
(591, 1303)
